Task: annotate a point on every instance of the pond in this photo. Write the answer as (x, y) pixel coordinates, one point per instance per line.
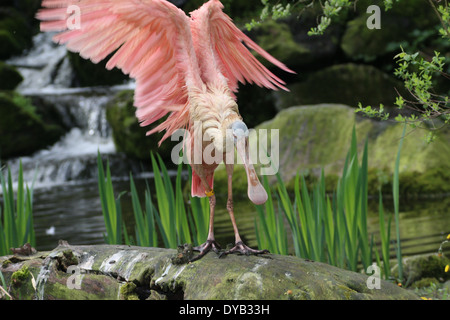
(72, 212)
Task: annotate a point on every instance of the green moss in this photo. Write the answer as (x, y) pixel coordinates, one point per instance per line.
(417, 155)
(317, 137)
(417, 12)
(22, 130)
(360, 42)
(277, 39)
(127, 291)
(426, 266)
(91, 74)
(347, 84)
(67, 259)
(303, 129)
(21, 275)
(425, 282)
(129, 137)
(15, 32)
(9, 77)
(6, 263)
(9, 45)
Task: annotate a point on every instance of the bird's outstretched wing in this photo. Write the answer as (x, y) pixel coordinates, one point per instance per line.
(152, 43)
(220, 45)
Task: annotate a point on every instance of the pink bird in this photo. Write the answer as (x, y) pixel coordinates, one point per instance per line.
(187, 68)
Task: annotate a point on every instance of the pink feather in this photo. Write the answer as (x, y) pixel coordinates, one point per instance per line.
(168, 53)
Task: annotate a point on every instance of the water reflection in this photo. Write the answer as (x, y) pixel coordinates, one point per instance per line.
(74, 213)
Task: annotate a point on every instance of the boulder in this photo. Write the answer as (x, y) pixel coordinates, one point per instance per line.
(87, 73)
(277, 39)
(15, 32)
(347, 83)
(115, 272)
(9, 77)
(129, 137)
(22, 130)
(361, 43)
(421, 270)
(316, 137)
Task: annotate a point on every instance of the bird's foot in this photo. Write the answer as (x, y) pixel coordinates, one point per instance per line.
(205, 248)
(241, 248)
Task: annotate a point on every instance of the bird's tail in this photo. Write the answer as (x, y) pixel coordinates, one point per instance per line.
(197, 189)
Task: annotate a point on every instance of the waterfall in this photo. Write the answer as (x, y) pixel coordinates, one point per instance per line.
(47, 75)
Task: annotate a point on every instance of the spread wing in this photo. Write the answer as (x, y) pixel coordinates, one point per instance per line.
(152, 43)
(220, 45)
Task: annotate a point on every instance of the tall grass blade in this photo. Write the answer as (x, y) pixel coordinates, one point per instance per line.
(395, 192)
(16, 217)
(164, 194)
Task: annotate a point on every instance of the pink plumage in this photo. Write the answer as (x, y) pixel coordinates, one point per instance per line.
(186, 68)
(157, 44)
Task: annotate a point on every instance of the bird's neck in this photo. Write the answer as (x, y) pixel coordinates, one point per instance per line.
(214, 109)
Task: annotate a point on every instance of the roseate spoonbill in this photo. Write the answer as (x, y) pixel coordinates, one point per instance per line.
(185, 67)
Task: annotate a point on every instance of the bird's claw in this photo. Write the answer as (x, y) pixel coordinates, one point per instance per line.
(205, 248)
(241, 248)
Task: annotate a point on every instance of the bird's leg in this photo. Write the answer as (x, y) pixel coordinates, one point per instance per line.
(239, 247)
(210, 243)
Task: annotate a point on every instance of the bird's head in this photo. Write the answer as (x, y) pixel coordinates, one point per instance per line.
(240, 133)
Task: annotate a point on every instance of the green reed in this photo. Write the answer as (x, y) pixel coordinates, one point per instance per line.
(324, 227)
(111, 207)
(331, 228)
(170, 219)
(16, 216)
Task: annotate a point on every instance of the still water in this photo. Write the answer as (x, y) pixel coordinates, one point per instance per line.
(73, 212)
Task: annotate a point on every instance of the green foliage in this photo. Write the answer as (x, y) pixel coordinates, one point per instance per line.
(170, 218)
(111, 208)
(324, 227)
(434, 291)
(395, 193)
(444, 12)
(9, 77)
(16, 217)
(274, 12)
(331, 9)
(417, 74)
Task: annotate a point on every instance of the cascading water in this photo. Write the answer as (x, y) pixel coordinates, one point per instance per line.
(66, 201)
(47, 75)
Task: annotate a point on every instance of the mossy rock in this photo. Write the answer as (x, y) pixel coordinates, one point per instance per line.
(22, 130)
(9, 77)
(425, 266)
(344, 83)
(87, 73)
(362, 43)
(129, 137)
(417, 154)
(419, 12)
(316, 137)
(425, 282)
(9, 46)
(116, 272)
(277, 39)
(15, 32)
(255, 104)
